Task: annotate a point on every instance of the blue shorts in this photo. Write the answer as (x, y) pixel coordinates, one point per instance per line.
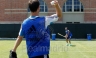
(69, 37)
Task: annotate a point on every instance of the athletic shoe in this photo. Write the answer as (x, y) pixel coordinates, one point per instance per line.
(67, 44)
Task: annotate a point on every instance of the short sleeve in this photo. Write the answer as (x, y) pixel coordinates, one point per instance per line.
(21, 33)
(52, 18)
(49, 19)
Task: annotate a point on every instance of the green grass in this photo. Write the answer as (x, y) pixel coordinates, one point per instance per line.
(79, 49)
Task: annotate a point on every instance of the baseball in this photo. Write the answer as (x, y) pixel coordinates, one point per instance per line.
(52, 2)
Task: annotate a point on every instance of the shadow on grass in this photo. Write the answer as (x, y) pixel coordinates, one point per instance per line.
(58, 39)
(73, 45)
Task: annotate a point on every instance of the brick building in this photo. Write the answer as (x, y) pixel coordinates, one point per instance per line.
(83, 11)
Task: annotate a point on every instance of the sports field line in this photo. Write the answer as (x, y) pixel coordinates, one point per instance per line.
(81, 51)
(84, 54)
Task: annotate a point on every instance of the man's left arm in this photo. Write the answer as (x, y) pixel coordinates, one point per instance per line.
(17, 43)
(19, 39)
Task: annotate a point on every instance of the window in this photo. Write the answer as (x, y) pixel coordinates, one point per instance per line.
(69, 6)
(43, 6)
(73, 6)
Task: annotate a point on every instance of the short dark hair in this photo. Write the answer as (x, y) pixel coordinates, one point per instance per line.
(33, 5)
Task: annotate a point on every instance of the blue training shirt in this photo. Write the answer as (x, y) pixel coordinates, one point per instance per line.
(68, 33)
(35, 31)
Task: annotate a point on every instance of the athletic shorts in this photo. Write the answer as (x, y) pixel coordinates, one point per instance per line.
(41, 56)
(69, 37)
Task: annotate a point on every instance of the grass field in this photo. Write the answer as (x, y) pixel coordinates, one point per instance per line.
(79, 49)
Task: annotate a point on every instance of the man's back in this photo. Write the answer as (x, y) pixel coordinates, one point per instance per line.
(37, 38)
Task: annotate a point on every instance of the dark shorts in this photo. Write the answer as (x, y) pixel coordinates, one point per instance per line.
(41, 56)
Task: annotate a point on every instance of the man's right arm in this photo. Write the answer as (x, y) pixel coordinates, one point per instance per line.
(54, 17)
(58, 9)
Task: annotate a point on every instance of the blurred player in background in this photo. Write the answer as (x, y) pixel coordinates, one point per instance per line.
(68, 36)
(34, 29)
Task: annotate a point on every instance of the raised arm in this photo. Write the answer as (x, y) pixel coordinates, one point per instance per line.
(58, 9)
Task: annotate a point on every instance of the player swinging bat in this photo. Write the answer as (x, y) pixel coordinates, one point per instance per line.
(67, 36)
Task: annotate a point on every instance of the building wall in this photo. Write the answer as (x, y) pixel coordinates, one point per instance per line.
(89, 10)
(2, 7)
(73, 17)
(16, 10)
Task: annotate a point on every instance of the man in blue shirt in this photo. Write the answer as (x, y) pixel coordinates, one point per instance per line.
(35, 31)
(68, 36)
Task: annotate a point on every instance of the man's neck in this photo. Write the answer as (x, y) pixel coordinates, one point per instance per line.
(34, 14)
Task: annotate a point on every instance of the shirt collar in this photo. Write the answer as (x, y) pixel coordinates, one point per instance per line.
(33, 17)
